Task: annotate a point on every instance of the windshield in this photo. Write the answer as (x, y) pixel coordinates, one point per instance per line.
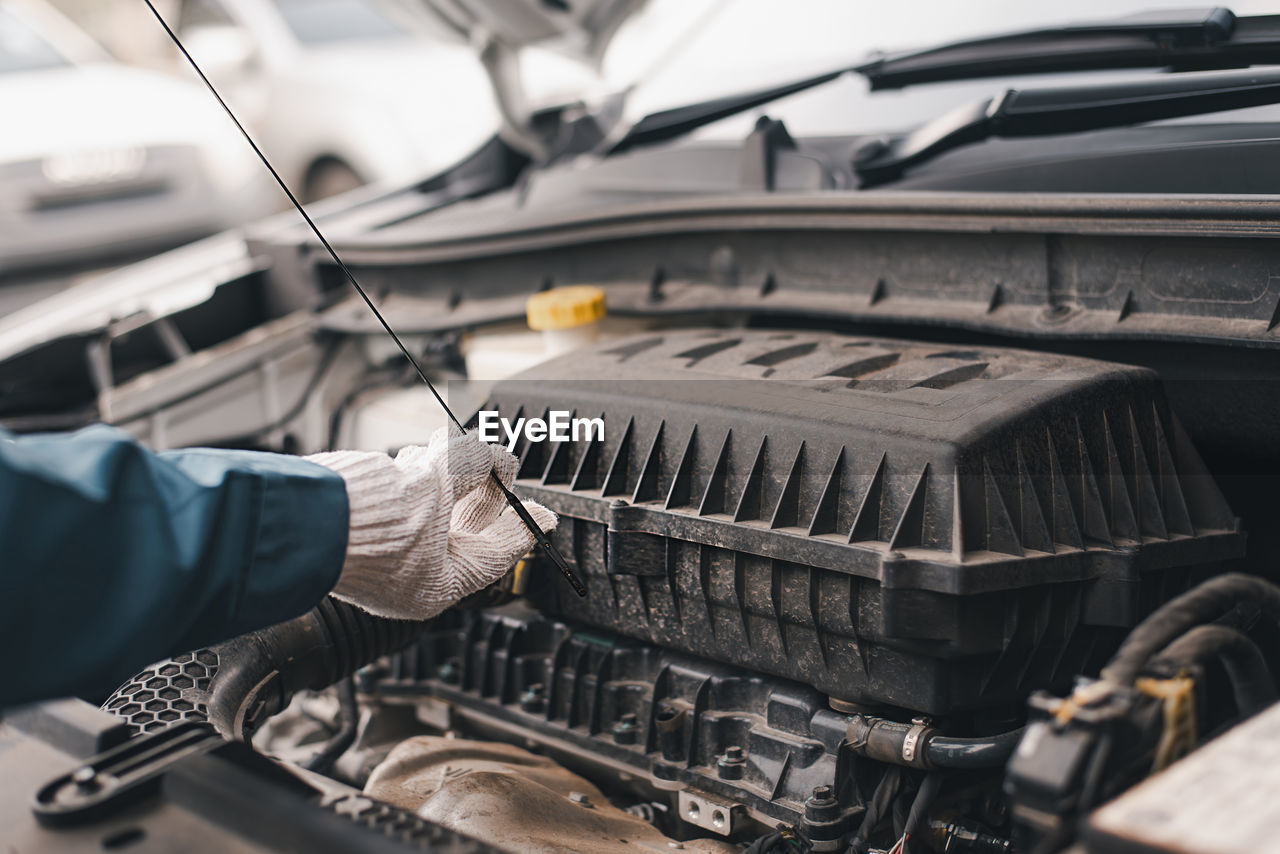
(320, 22)
(23, 49)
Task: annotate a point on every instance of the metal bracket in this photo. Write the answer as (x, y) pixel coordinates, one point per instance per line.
(120, 775)
(708, 813)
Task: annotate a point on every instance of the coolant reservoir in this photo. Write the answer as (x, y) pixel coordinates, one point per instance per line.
(568, 318)
(558, 320)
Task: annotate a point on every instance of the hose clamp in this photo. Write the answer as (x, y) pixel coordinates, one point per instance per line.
(913, 741)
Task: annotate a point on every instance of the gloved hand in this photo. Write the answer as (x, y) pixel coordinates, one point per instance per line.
(429, 526)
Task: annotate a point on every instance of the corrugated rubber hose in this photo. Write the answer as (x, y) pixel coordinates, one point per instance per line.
(1210, 601)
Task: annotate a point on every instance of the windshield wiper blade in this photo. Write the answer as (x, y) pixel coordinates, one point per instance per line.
(1179, 39)
(676, 122)
(1043, 112)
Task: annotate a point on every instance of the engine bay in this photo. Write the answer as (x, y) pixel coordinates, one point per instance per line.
(825, 573)
(925, 501)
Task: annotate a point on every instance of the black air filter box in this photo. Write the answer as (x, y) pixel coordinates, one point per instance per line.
(931, 527)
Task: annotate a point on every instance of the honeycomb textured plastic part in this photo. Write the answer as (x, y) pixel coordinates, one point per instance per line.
(238, 684)
(166, 693)
(926, 526)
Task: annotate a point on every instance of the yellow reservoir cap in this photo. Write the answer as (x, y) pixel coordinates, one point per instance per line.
(565, 308)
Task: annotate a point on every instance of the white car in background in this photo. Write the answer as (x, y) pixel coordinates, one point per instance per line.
(341, 93)
(100, 161)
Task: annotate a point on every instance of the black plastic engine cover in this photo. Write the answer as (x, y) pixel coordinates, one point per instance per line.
(924, 526)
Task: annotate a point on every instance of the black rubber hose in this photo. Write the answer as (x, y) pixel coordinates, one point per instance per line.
(1200, 605)
(349, 715)
(962, 753)
(1251, 682)
(888, 741)
(326, 644)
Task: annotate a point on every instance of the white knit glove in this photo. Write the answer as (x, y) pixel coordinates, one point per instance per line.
(429, 526)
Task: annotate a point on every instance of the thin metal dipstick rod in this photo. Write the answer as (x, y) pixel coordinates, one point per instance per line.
(544, 541)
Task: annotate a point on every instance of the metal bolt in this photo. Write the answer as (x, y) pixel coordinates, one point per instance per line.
(627, 729)
(732, 764)
(449, 671)
(580, 799)
(533, 700)
(85, 777)
(822, 805)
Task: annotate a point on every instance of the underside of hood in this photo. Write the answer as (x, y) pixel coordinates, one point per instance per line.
(501, 31)
(580, 28)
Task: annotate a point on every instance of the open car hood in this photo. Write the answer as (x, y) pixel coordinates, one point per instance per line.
(581, 28)
(540, 55)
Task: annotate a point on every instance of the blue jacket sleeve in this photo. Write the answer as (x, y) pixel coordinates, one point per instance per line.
(112, 556)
